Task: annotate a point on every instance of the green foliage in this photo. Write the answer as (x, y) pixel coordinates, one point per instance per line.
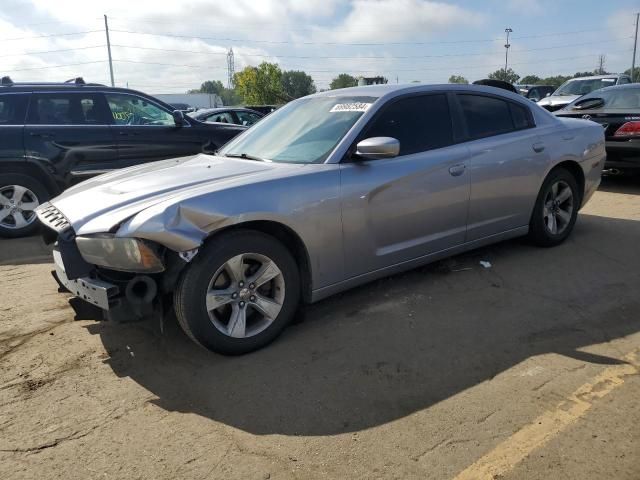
(343, 80)
(506, 76)
(636, 73)
(261, 85)
(529, 80)
(458, 79)
(228, 96)
(297, 84)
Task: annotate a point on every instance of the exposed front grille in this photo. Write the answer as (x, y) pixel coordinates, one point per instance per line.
(52, 217)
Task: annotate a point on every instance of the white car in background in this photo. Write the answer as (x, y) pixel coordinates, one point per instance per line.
(576, 87)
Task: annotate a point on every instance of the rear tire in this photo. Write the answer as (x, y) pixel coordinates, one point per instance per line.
(19, 197)
(239, 293)
(556, 209)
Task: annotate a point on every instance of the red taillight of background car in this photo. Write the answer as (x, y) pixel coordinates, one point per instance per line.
(629, 129)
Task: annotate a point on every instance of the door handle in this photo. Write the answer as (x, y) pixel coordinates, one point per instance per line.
(538, 147)
(41, 135)
(126, 134)
(457, 170)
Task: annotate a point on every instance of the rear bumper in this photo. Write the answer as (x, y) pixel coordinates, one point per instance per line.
(623, 155)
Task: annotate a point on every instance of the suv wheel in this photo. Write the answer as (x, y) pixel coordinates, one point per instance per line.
(19, 197)
(239, 293)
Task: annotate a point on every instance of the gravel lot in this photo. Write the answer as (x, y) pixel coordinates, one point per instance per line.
(528, 369)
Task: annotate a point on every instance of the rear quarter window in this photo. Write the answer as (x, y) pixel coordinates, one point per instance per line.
(13, 108)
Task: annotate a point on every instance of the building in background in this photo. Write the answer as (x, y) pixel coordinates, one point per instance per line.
(194, 100)
(362, 81)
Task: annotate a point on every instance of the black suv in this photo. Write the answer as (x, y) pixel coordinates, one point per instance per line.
(53, 135)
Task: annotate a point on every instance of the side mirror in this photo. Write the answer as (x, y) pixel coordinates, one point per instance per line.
(178, 118)
(548, 94)
(378, 147)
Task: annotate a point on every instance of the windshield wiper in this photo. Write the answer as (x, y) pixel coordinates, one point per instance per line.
(246, 156)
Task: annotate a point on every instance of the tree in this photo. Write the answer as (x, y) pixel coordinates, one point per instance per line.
(215, 87)
(343, 80)
(297, 84)
(530, 80)
(506, 76)
(261, 85)
(636, 73)
(458, 79)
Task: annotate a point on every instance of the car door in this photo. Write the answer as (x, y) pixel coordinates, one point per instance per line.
(70, 132)
(146, 131)
(506, 158)
(399, 209)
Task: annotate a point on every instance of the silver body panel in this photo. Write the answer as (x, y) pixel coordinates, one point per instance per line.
(357, 221)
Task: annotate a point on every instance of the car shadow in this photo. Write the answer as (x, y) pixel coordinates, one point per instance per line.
(628, 184)
(399, 345)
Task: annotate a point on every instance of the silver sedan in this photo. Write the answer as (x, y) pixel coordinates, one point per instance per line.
(331, 191)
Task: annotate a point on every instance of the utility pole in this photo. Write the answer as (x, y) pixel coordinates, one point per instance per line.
(230, 69)
(106, 29)
(506, 51)
(600, 69)
(635, 46)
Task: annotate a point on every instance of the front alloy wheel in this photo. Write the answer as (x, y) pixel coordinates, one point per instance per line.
(245, 295)
(239, 293)
(17, 205)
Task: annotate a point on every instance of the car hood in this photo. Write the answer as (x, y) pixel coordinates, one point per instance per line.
(103, 202)
(558, 100)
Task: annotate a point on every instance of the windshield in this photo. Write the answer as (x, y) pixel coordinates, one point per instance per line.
(614, 98)
(582, 87)
(303, 131)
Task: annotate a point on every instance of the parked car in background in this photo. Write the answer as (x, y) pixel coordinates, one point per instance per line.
(182, 107)
(489, 82)
(617, 109)
(53, 135)
(536, 93)
(329, 192)
(237, 116)
(576, 87)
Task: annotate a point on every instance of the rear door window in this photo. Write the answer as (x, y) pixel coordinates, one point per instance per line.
(419, 123)
(67, 109)
(488, 116)
(12, 108)
(222, 117)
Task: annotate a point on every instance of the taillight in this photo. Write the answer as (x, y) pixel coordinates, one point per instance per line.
(629, 129)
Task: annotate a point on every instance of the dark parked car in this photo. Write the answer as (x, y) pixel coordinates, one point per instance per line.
(237, 116)
(617, 109)
(538, 92)
(53, 135)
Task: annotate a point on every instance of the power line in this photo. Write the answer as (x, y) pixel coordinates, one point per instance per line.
(360, 57)
(51, 35)
(10, 70)
(50, 51)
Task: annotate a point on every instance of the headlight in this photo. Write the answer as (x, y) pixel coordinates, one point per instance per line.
(125, 254)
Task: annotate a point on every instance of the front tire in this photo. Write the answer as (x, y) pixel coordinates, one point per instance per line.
(19, 197)
(239, 293)
(556, 209)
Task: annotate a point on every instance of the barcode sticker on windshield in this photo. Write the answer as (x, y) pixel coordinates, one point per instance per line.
(350, 107)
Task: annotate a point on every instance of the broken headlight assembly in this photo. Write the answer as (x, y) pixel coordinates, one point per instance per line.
(118, 253)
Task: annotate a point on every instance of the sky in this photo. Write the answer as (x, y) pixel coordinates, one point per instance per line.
(170, 47)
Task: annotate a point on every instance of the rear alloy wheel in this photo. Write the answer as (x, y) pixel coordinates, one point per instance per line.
(556, 209)
(239, 293)
(19, 197)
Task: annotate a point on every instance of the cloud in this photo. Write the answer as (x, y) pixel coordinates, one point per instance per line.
(393, 20)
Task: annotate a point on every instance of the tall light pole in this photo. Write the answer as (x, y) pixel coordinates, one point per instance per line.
(506, 49)
(106, 30)
(635, 45)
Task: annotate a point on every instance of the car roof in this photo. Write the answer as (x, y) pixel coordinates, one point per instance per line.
(392, 90)
(598, 77)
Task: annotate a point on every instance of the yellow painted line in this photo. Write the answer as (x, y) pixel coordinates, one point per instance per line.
(516, 448)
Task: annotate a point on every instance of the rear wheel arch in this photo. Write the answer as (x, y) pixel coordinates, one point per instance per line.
(32, 170)
(574, 169)
(291, 241)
